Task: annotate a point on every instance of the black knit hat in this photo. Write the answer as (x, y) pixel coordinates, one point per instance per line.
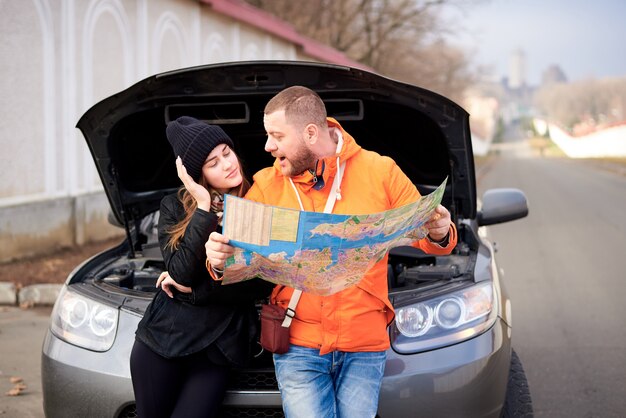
(193, 140)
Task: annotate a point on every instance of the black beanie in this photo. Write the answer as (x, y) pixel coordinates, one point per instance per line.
(193, 140)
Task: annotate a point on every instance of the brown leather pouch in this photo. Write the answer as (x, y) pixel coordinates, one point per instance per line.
(274, 337)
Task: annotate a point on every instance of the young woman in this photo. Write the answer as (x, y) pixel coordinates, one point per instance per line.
(186, 345)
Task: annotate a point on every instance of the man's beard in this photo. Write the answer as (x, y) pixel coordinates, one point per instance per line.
(302, 161)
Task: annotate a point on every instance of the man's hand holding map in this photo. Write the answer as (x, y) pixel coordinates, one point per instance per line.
(318, 253)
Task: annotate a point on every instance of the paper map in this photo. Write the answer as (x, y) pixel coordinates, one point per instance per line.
(316, 252)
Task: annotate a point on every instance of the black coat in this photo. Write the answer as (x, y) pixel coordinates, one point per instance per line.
(219, 319)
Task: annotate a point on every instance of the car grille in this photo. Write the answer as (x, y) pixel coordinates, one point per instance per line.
(226, 412)
(231, 412)
(257, 379)
(250, 380)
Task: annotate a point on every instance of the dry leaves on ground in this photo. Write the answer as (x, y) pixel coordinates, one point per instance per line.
(18, 386)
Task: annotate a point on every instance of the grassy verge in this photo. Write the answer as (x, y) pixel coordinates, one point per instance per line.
(545, 147)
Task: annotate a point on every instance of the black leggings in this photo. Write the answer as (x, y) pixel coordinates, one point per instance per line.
(189, 386)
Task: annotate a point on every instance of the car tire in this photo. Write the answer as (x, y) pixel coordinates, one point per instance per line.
(518, 402)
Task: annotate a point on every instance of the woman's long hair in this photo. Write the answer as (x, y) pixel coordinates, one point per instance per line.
(177, 231)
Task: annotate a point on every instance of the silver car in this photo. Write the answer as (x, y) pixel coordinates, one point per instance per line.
(450, 354)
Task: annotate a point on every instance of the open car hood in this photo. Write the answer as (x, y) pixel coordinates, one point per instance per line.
(425, 133)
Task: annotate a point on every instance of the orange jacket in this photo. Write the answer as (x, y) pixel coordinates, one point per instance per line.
(356, 318)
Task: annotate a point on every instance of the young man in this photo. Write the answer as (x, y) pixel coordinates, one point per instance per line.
(336, 359)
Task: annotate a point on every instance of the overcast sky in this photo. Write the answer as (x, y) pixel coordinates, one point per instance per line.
(586, 38)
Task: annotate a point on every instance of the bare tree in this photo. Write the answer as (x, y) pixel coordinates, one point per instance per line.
(437, 66)
(584, 104)
(399, 38)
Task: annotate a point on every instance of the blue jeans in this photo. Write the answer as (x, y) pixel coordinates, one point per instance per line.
(336, 385)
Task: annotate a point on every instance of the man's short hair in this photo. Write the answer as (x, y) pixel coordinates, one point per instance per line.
(301, 105)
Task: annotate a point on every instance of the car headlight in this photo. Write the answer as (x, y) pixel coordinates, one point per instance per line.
(444, 320)
(84, 322)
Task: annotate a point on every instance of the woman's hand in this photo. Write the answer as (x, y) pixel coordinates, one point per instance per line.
(165, 282)
(200, 193)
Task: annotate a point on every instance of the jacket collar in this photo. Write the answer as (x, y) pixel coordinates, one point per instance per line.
(306, 180)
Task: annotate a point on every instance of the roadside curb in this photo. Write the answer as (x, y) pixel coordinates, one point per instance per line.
(33, 295)
(8, 295)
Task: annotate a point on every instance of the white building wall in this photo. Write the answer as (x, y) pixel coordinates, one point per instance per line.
(609, 142)
(60, 57)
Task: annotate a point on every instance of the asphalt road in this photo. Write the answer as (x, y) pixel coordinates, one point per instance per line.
(564, 272)
(21, 337)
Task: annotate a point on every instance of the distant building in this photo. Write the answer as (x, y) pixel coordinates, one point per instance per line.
(517, 100)
(552, 75)
(483, 106)
(517, 70)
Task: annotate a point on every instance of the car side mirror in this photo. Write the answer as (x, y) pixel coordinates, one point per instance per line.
(502, 205)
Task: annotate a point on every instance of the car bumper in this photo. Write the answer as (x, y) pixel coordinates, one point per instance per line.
(77, 382)
(467, 379)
